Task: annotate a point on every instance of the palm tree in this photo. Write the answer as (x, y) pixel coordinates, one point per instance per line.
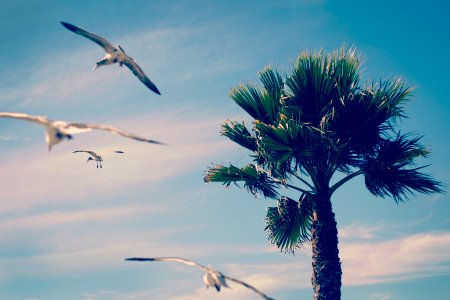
(318, 123)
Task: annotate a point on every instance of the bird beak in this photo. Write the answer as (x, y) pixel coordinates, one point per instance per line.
(49, 148)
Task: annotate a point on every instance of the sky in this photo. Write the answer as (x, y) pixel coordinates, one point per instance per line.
(65, 226)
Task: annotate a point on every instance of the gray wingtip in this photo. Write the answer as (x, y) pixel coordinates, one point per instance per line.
(139, 259)
(156, 142)
(69, 26)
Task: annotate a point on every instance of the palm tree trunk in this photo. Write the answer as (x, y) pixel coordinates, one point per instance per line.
(327, 272)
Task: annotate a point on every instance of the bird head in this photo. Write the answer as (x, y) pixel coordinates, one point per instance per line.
(90, 158)
(121, 49)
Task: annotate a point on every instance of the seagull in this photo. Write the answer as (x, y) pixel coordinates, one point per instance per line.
(114, 55)
(57, 131)
(98, 157)
(212, 278)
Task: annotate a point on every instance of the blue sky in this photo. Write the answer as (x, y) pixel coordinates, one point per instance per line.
(65, 226)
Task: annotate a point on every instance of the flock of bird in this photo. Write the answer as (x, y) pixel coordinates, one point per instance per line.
(58, 131)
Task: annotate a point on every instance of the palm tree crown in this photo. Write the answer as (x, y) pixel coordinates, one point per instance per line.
(318, 121)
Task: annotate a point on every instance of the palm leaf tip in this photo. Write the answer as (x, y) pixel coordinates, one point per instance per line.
(401, 183)
(388, 172)
(272, 82)
(238, 133)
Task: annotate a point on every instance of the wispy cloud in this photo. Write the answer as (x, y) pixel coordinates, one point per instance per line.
(365, 261)
(380, 296)
(415, 256)
(37, 222)
(401, 259)
(6, 138)
(358, 231)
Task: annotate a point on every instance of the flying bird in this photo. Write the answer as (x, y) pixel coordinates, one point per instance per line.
(212, 278)
(98, 157)
(57, 131)
(114, 55)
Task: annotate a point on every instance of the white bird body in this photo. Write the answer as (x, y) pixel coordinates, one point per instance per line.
(98, 157)
(57, 131)
(114, 55)
(214, 279)
(209, 281)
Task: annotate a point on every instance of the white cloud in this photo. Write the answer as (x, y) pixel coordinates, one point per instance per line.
(364, 262)
(401, 259)
(357, 231)
(6, 138)
(380, 296)
(415, 256)
(40, 221)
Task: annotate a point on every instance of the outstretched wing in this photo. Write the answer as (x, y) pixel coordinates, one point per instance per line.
(110, 151)
(176, 259)
(101, 41)
(37, 119)
(113, 130)
(91, 153)
(137, 71)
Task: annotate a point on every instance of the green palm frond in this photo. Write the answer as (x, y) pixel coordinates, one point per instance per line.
(360, 120)
(404, 149)
(255, 180)
(345, 69)
(391, 95)
(289, 145)
(386, 173)
(399, 183)
(320, 79)
(238, 133)
(273, 83)
(258, 104)
(289, 224)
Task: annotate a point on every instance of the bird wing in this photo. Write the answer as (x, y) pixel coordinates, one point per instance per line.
(176, 259)
(92, 153)
(137, 71)
(110, 151)
(37, 119)
(113, 130)
(101, 41)
(66, 128)
(248, 286)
